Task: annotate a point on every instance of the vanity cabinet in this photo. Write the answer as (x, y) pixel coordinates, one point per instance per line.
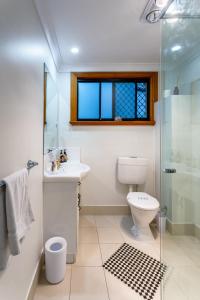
(61, 202)
(61, 214)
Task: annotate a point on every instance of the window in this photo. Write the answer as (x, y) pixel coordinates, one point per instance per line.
(113, 98)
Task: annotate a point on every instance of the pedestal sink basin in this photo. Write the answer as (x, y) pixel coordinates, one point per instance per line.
(68, 172)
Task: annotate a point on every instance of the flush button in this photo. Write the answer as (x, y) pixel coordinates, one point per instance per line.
(143, 198)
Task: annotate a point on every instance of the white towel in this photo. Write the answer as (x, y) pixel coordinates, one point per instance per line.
(4, 250)
(19, 214)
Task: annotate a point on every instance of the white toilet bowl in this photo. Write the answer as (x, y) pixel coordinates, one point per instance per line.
(143, 209)
(132, 170)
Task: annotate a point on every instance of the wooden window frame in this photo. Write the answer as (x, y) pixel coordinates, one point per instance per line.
(151, 76)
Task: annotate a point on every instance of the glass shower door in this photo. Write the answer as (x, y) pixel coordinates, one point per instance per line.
(180, 150)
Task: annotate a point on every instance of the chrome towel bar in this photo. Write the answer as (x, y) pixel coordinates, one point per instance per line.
(30, 164)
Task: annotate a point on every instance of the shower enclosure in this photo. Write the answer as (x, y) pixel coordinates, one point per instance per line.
(180, 149)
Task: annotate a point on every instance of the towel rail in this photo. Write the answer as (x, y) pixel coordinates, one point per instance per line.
(30, 164)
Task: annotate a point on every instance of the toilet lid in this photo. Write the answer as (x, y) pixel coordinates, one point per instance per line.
(143, 201)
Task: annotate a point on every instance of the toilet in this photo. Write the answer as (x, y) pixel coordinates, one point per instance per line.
(133, 171)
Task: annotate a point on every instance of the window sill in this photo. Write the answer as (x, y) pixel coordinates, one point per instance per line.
(113, 123)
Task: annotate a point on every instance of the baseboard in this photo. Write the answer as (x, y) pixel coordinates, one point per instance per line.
(35, 279)
(197, 231)
(105, 210)
(180, 229)
(71, 258)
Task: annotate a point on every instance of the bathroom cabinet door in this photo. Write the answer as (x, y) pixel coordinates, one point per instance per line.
(61, 216)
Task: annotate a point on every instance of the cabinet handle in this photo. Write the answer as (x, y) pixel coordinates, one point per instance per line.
(79, 201)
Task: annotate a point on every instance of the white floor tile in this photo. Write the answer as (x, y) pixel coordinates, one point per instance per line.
(171, 291)
(89, 255)
(108, 249)
(87, 221)
(88, 235)
(188, 280)
(173, 255)
(105, 221)
(123, 221)
(129, 238)
(190, 247)
(118, 290)
(46, 291)
(110, 235)
(151, 247)
(88, 283)
(182, 254)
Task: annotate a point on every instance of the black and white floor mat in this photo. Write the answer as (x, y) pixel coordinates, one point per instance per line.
(138, 270)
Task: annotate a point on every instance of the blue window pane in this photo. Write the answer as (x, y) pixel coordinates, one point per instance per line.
(88, 100)
(125, 100)
(142, 100)
(106, 100)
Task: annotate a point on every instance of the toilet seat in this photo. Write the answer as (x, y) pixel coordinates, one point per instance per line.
(142, 201)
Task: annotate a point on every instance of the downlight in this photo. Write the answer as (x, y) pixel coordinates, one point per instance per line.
(176, 48)
(74, 50)
(155, 10)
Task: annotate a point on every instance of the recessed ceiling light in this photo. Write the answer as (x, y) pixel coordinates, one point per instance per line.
(74, 50)
(176, 48)
(172, 20)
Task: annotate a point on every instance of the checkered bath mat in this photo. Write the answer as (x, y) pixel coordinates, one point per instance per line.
(138, 270)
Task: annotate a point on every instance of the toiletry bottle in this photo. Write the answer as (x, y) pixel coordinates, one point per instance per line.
(65, 155)
(53, 166)
(61, 155)
(58, 164)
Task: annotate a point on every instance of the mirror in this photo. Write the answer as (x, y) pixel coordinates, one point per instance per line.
(50, 112)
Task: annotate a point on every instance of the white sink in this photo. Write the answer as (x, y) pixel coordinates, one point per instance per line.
(68, 172)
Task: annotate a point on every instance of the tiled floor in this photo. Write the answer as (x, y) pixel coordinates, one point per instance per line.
(100, 236)
(182, 255)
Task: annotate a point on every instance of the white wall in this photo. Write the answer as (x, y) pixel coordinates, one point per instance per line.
(100, 147)
(23, 51)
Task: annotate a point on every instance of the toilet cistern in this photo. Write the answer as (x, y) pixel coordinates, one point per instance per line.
(133, 171)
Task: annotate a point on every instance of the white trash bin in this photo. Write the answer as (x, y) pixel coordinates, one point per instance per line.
(55, 259)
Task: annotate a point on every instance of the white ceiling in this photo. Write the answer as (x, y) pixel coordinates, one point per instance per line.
(105, 31)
